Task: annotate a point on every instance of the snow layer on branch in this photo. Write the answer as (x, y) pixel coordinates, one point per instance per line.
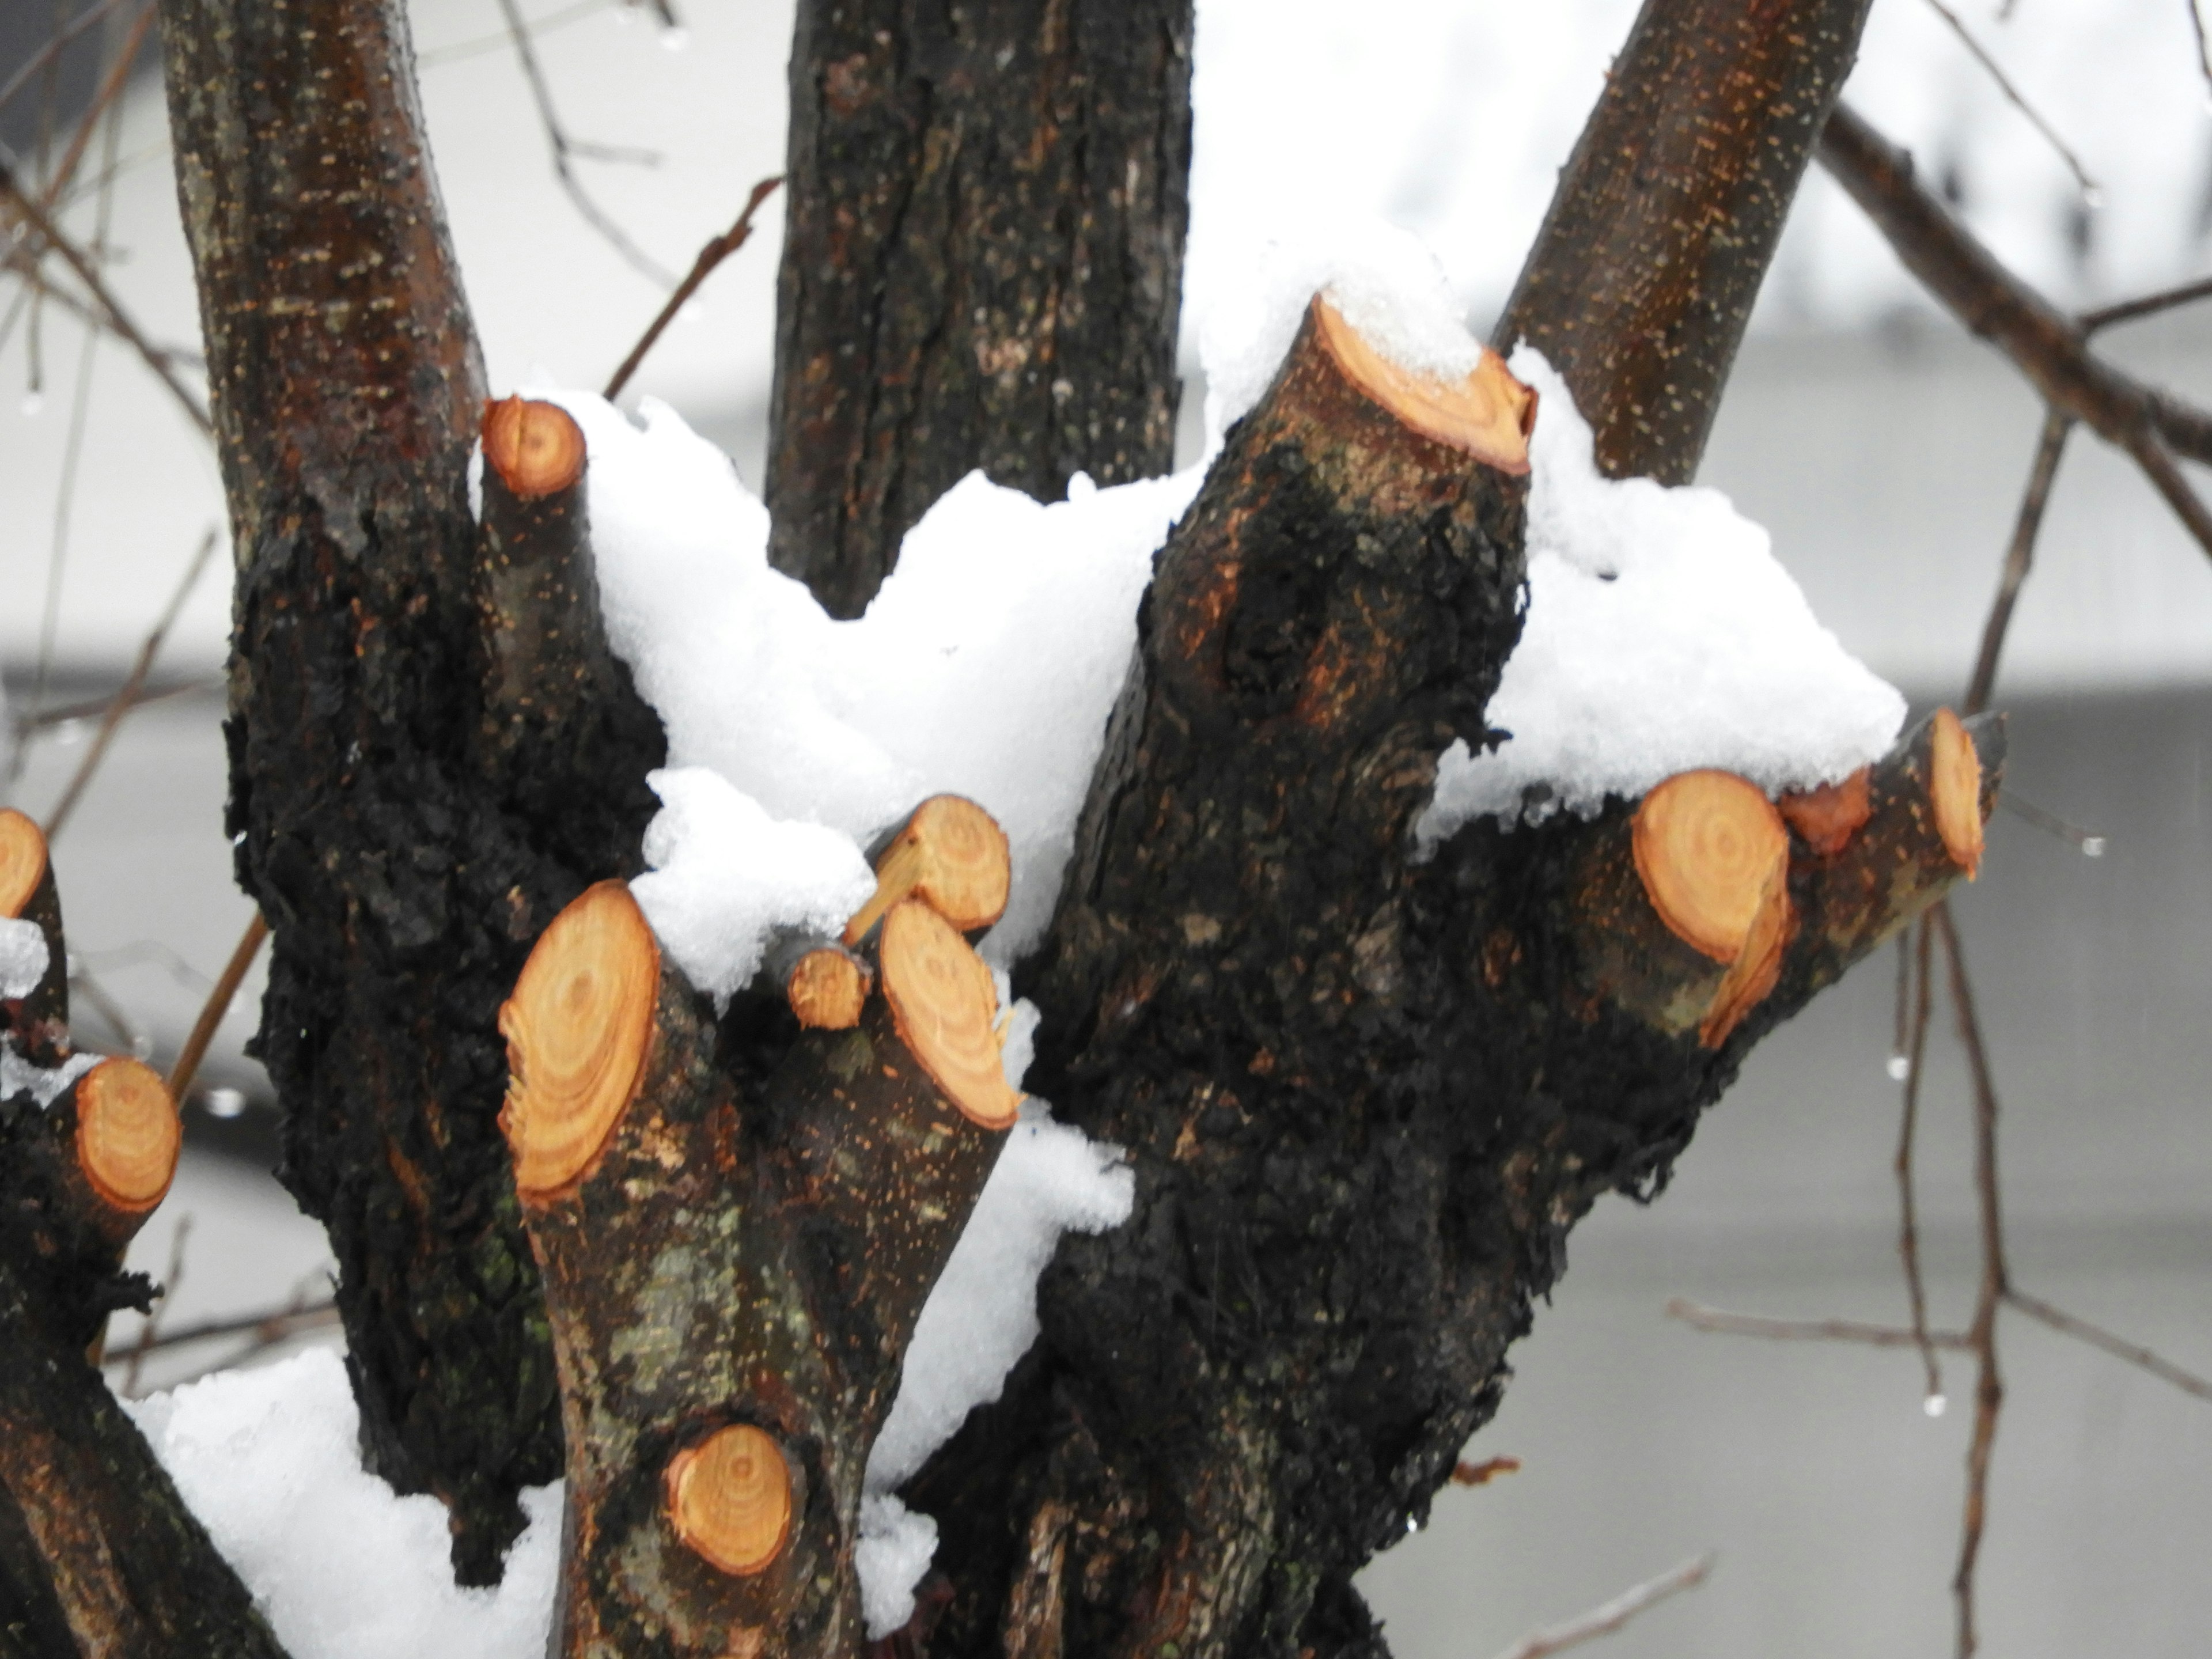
(22, 951)
(895, 1550)
(1385, 283)
(18, 1076)
(1661, 635)
(986, 667)
(270, 1461)
(725, 875)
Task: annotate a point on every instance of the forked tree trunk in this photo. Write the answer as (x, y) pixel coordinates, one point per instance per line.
(408, 831)
(982, 264)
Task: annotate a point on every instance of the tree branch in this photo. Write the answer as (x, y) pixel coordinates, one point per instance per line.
(2046, 346)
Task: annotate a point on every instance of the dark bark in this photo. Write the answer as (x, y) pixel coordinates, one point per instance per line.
(403, 872)
(94, 1537)
(732, 1255)
(1366, 1098)
(982, 264)
(1641, 279)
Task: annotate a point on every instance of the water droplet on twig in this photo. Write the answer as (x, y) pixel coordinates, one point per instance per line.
(1899, 1068)
(1934, 1405)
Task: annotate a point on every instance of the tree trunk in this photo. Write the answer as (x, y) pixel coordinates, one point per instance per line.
(982, 264)
(403, 862)
(1641, 281)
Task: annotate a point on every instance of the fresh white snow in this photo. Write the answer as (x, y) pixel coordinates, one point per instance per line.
(1661, 635)
(23, 955)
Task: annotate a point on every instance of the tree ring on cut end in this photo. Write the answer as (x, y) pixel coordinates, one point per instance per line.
(22, 861)
(945, 1006)
(577, 1029)
(827, 988)
(1955, 788)
(1488, 414)
(535, 448)
(729, 1499)
(951, 852)
(127, 1135)
(1705, 842)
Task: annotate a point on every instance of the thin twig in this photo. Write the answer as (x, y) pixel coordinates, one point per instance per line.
(2149, 306)
(1699, 1317)
(2203, 46)
(58, 547)
(1605, 1619)
(274, 1324)
(460, 50)
(2020, 557)
(55, 43)
(2046, 346)
(84, 984)
(1908, 1208)
(128, 697)
(2091, 843)
(149, 1332)
(63, 714)
(721, 248)
(564, 147)
(1989, 1385)
(88, 274)
(2118, 1346)
(218, 1005)
(2014, 96)
(118, 75)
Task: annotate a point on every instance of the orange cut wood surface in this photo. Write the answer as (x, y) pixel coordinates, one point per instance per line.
(1704, 843)
(128, 1134)
(729, 1499)
(946, 1008)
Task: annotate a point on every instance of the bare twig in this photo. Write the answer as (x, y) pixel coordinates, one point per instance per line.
(2020, 557)
(1699, 1317)
(565, 147)
(88, 274)
(128, 697)
(56, 42)
(63, 714)
(218, 1005)
(83, 983)
(2046, 346)
(2091, 843)
(2203, 46)
(2014, 97)
(1605, 1619)
(710, 256)
(1989, 1385)
(103, 102)
(1482, 1474)
(149, 1332)
(268, 1326)
(1908, 1209)
(438, 56)
(2118, 1346)
(2149, 306)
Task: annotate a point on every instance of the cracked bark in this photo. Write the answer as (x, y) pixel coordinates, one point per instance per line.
(982, 264)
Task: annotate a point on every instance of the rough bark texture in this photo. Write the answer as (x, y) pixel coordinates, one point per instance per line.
(1641, 279)
(741, 1253)
(98, 1553)
(1365, 1098)
(403, 877)
(982, 264)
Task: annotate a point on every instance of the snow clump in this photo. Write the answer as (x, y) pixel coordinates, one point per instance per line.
(342, 1568)
(22, 954)
(1661, 635)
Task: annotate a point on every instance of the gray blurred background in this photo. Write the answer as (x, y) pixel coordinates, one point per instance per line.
(1884, 451)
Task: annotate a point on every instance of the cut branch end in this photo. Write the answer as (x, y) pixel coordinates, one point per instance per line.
(1955, 787)
(1488, 413)
(1828, 817)
(729, 1499)
(828, 987)
(950, 852)
(577, 1029)
(946, 1008)
(128, 1134)
(1705, 843)
(22, 861)
(535, 448)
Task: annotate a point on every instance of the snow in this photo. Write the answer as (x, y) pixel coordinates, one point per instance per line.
(270, 1461)
(986, 667)
(1661, 635)
(1385, 283)
(725, 876)
(19, 1076)
(22, 951)
(895, 1550)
